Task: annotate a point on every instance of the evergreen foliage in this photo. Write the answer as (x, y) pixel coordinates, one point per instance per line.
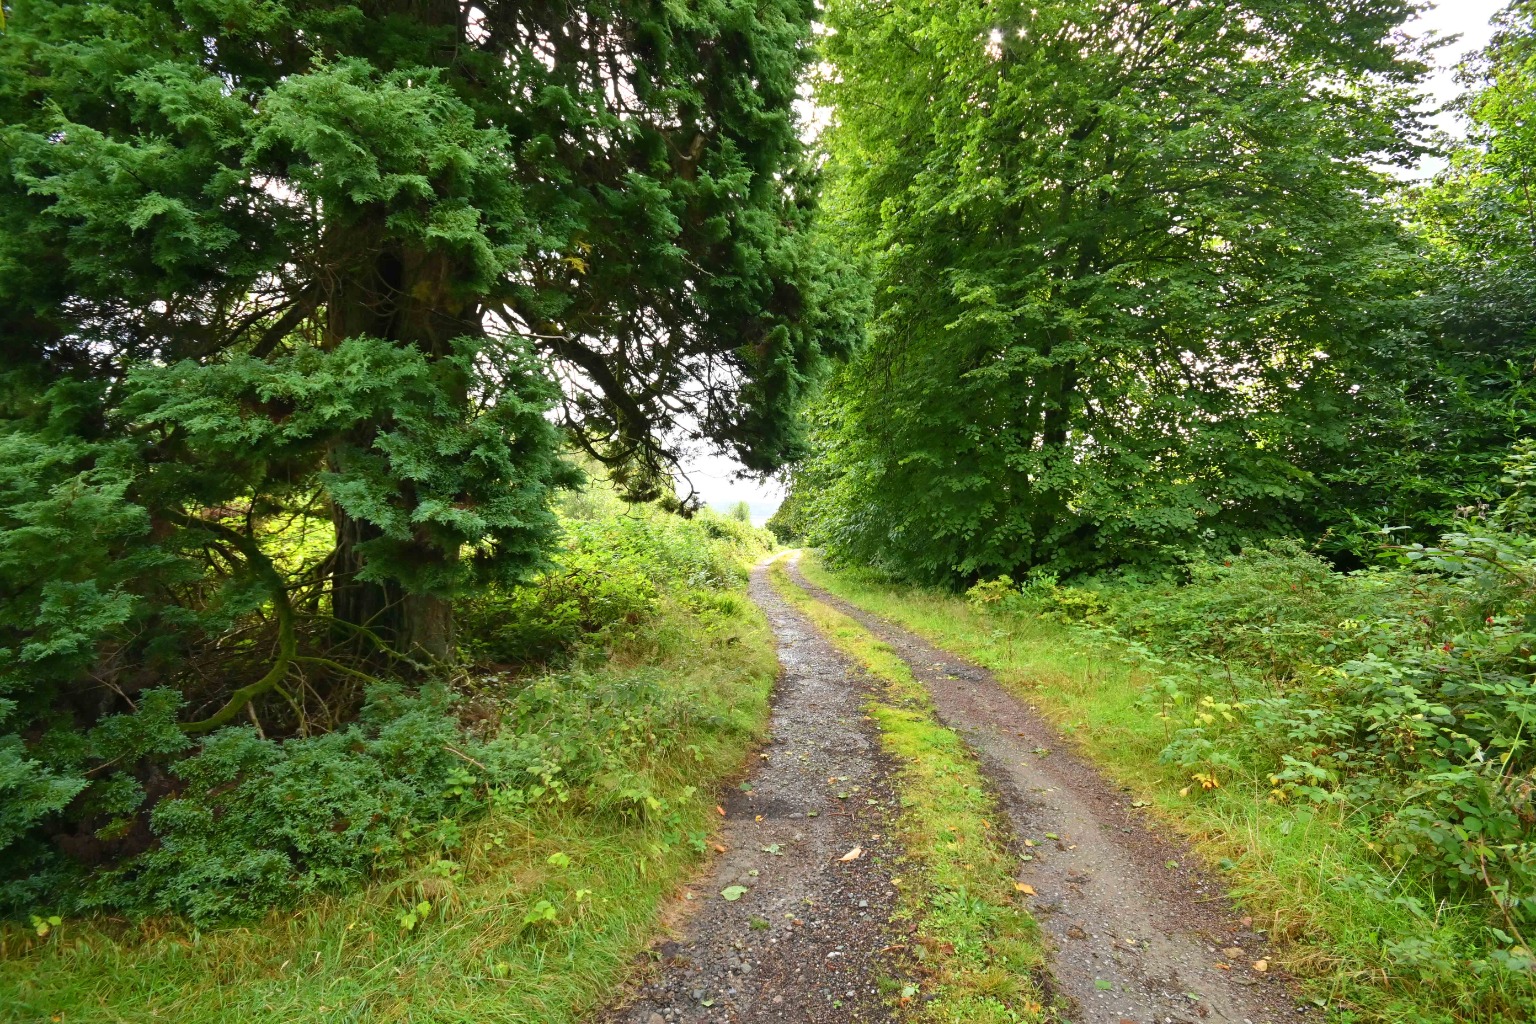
(301, 304)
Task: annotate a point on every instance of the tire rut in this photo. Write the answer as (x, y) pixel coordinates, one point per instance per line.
(805, 941)
(1138, 931)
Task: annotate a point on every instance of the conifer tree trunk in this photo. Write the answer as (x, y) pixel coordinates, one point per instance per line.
(403, 297)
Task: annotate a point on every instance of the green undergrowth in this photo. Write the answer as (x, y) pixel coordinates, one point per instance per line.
(1301, 868)
(976, 950)
(541, 813)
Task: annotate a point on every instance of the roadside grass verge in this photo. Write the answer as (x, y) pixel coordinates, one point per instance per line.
(1291, 866)
(976, 949)
(526, 915)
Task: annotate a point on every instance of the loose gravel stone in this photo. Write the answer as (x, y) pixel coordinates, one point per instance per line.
(818, 958)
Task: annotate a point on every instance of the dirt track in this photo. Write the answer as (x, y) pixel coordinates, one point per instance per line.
(1141, 936)
(803, 943)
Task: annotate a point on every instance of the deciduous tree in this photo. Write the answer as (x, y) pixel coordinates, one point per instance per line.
(1122, 253)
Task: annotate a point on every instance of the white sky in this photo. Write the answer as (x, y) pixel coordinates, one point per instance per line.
(1471, 20)
(715, 476)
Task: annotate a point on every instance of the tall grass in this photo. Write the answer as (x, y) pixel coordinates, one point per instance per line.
(1294, 867)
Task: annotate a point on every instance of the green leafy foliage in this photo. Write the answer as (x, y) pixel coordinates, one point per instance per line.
(242, 823)
(1399, 698)
(608, 582)
(256, 825)
(1439, 403)
(1098, 337)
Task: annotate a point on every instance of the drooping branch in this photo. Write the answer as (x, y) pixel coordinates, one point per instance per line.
(287, 643)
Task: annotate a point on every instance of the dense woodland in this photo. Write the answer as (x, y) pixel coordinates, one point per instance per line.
(350, 349)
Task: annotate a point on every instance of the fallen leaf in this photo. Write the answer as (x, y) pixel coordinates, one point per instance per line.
(853, 854)
(1052, 835)
(720, 810)
(1232, 952)
(1027, 890)
(1029, 842)
(719, 848)
(1261, 966)
(732, 893)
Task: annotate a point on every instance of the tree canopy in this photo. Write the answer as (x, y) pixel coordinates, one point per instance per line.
(1123, 256)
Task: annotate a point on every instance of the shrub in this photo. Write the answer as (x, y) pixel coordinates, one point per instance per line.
(1401, 695)
(608, 580)
(235, 823)
(1041, 594)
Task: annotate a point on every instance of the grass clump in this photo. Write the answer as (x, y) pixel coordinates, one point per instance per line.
(976, 949)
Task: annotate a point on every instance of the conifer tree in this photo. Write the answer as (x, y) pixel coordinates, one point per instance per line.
(274, 250)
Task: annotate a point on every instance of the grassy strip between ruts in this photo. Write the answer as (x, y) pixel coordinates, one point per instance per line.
(534, 917)
(1284, 862)
(978, 952)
